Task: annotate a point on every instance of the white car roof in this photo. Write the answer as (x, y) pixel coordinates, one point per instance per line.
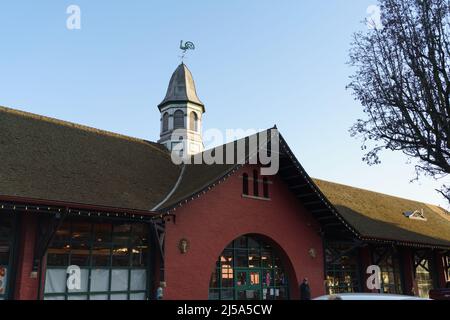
(368, 296)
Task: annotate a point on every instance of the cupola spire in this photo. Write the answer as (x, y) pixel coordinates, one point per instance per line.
(181, 114)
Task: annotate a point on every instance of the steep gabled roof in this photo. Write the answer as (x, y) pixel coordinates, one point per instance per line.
(44, 158)
(343, 211)
(197, 177)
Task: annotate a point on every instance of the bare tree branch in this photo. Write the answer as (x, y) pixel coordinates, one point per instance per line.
(402, 80)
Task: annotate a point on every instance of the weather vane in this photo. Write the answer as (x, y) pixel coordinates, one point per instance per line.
(188, 45)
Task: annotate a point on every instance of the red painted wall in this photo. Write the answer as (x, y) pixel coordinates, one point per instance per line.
(365, 255)
(407, 257)
(26, 287)
(221, 215)
(440, 270)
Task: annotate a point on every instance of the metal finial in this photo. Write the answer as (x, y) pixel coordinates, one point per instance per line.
(188, 45)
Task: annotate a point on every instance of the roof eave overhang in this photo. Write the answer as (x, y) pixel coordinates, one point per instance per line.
(404, 243)
(165, 103)
(302, 185)
(300, 172)
(81, 209)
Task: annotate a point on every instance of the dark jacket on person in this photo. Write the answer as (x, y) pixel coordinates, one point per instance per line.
(305, 292)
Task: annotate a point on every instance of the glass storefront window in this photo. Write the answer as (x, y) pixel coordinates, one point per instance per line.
(388, 261)
(6, 245)
(446, 261)
(113, 260)
(248, 269)
(424, 280)
(342, 272)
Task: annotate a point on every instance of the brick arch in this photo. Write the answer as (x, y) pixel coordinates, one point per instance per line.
(212, 221)
(287, 265)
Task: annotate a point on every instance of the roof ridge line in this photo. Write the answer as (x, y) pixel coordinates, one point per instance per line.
(378, 192)
(171, 192)
(76, 126)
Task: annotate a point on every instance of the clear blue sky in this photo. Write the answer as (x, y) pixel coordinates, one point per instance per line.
(257, 63)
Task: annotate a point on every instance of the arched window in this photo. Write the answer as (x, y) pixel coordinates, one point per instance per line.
(178, 119)
(266, 188)
(245, 184)
(193, 121)
(255, 183)
(249, 268)
(165, 120)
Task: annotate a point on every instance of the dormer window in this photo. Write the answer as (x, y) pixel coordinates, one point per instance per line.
(415, 215)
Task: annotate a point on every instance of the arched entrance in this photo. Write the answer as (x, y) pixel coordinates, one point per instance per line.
(249, 269)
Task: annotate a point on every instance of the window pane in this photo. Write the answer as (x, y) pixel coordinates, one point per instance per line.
(214, 294)
(81, 231)
(121, 256)
(254, 259)
(5, 227)
(121, 233)
(101, 255)
(79, 254)
(58, 255)
(84, 278)
(227, 294)
(119, 280)
(55, 280)
(178, 119)
(165, 122)
(139, 246)
(99, 297)
(138, 280)
(279, 278)
(3, 279)
(137, 296)
(4, 253)
(55, 298)
(119, 297)
(99, 280)
(121, 238)
(241, 278)
(226, 259)
(102, 232)
(227, 277)
(268, 279)
(253, 243)
(241, 258)
(77, 297)
(241, 242)
(63, 233)
(214, 282)
(266, 259)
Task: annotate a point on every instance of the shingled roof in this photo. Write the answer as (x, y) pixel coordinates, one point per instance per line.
(379, 216)
(48, 159)
(196, 178)
(181, 88)
(44, 158)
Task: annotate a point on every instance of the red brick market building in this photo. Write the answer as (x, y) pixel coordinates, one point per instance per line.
(128, 217)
